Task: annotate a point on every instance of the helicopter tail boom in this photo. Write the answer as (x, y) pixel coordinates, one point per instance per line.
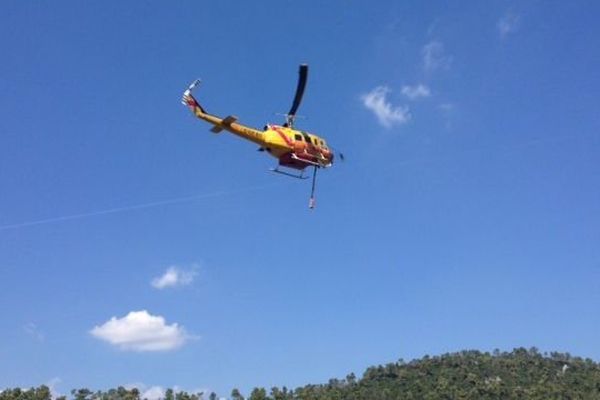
(219, 124)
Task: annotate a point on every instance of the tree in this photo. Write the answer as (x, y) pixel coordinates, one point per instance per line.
(258, 394)
(81, 394)
(351, 378)
(236, 395)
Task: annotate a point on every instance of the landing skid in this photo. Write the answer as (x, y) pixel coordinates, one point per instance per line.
(278, 171)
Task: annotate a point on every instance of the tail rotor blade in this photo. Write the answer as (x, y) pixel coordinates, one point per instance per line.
(338, 153)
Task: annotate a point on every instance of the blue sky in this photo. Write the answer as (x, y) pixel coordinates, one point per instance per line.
(137, 248)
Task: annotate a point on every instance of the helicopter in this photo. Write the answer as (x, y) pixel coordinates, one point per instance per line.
(295, 149)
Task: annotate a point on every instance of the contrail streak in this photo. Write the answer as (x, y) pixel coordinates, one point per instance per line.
(184, 199)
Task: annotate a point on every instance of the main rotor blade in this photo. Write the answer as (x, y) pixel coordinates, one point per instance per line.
(299, 90)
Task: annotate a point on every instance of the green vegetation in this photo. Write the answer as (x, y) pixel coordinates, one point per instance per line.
(520, 374)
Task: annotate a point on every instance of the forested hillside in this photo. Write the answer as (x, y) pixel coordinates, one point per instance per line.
(520, 374)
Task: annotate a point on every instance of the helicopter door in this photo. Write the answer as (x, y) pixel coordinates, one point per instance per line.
(299, 145)
(309, 148)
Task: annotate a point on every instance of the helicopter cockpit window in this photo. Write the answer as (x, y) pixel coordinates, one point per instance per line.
(298, 137)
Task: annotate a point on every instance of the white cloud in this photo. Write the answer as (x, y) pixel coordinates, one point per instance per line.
(148, 393)
(416, 92)
(154, 393)
(433, 27)
(135, 385)
(435, 57)
(447, 107)
(158, 392)
(141, 331)
(448, 111)
(386, 114)
(509, 23)
(173, 277)
(34, 331)
(52, 385)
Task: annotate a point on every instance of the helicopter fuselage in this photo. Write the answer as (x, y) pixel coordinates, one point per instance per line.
(296, 149)
(293, 148)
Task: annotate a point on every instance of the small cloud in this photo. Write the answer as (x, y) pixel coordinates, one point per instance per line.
(153, 393)
(447, 107)
(416, 92)
(174, 277)
(387, 115)
(33, 331)
(158, 392)
(435, 57)
(135, 385)
(508, 24)
(141, 331)
(433, 27)
(52, 385)
(448, 111)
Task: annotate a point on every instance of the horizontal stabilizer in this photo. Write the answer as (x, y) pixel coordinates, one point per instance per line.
(230, 119)
(224, 122)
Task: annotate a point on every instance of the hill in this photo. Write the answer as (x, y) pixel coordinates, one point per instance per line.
(520, 374)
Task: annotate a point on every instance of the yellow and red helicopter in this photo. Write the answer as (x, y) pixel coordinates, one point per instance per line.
(295, 149)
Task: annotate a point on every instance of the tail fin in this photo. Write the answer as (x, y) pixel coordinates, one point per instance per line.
(189, 100)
